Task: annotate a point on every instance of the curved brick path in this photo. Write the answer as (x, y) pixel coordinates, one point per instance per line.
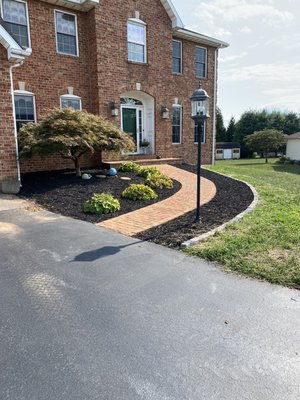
(156, 214)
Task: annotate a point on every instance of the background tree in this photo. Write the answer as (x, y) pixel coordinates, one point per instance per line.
(250, 122)
(291, 123)
(254, 121)
(231, 130)
(220, 128)
(71, 134)
(265, 141)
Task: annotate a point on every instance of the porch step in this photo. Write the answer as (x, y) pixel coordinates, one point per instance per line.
(146, 161)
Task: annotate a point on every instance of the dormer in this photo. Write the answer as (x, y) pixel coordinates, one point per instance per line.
(79, 5)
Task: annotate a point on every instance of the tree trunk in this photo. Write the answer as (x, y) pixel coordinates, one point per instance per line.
(266, 157)
(77, 166)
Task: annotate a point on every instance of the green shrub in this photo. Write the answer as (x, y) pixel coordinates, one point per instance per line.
(102, 204)
(158, 181)
(130, 166)
(281, 160)
(144, 171)
(139, 192)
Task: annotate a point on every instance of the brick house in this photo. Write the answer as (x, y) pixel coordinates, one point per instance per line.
(130, 61)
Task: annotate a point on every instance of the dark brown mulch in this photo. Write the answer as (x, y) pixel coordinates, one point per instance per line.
(62, 192)
(232, 198)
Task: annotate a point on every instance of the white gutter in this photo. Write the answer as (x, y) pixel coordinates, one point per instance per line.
(14, 115)
(79, 5)
(16, 55)
(14, 50)
(199, 38)
(215, 108)
(173, 14)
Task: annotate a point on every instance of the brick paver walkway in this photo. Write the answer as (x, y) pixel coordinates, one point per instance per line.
(156, 214)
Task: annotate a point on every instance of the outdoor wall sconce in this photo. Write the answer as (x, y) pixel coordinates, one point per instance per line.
(165, 112)
(114, 109)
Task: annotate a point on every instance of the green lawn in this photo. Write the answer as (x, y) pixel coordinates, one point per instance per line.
(266, 242)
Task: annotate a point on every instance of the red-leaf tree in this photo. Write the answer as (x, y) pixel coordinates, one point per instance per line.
(71, 134)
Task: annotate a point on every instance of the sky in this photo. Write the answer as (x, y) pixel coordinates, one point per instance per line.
(261, 68)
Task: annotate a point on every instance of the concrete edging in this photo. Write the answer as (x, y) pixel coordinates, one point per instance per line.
(204, 236)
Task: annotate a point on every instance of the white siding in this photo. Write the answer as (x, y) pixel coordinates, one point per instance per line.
(293, 149)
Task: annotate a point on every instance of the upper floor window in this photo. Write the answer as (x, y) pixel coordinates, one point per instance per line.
(201, 62)
(136, 37)
(71, 101)
(15, 18)
(24, 108)
(177, 57)
(176, 123)
(66, 33)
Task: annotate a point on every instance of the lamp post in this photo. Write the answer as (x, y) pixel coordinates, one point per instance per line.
(200, 113)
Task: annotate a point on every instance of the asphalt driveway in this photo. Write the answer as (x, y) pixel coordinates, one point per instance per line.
(87, 313)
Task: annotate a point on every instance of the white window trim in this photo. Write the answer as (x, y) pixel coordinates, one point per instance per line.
(204, 134)
(27, 18)
(138, 22)
(76, 30)
(70, 97)
(28, 94)
(181, 55)
(181, 114)
(206, 56)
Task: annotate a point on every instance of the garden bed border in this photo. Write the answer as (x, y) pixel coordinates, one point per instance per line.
(192, 242)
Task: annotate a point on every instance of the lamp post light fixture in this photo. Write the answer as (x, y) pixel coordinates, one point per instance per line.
(200, 113)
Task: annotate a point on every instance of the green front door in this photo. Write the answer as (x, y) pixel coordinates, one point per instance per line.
(129, 123)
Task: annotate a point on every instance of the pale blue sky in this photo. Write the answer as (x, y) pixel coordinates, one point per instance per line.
(261, 68)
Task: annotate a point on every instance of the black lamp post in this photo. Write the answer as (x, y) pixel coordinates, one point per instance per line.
(200, 113)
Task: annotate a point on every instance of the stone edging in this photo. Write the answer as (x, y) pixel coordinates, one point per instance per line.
(206, 235)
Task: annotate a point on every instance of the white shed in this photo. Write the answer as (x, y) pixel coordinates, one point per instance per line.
(228, 150)
(293, 146)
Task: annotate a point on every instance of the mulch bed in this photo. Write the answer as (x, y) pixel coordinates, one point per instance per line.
(62, 192)
(232, 198)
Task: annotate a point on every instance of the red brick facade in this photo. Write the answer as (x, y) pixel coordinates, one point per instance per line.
(102, 72)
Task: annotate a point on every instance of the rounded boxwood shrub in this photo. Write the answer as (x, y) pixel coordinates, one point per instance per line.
(158, 181)
(129, 166)
(145, 171)
(102, 203)
(139, 192)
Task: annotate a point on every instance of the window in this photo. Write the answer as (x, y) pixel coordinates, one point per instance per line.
(15, 18)
(203, 135)
(236, 151)
(177, 57)
(176, 124)
(70, 101)
(219, 151)
(24, 109)
(66, 33)
(136, 36)
(201, 62)
(130, 101)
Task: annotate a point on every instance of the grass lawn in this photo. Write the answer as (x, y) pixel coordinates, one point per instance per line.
(266, 243)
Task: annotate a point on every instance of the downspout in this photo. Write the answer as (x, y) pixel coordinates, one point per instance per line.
(14, 116)
(215, 107)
